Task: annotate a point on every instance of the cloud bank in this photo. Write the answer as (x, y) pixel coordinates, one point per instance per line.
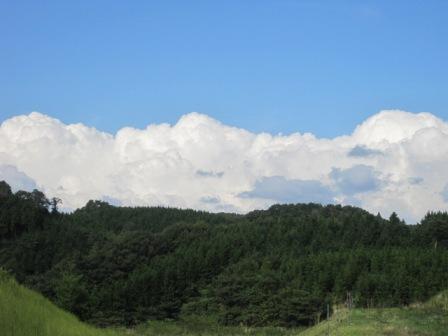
(393, 161)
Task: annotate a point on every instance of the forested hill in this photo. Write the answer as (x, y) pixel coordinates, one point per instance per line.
(119, 265)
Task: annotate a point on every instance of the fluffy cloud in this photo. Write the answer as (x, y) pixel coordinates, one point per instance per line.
(393, 161)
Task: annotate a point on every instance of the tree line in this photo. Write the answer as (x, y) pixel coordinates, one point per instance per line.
(278, 267)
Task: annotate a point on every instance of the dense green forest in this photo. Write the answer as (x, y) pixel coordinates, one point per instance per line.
(279, 267)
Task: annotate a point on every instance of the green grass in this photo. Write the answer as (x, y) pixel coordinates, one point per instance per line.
(203, 328)
(428, 319)
(26, 313)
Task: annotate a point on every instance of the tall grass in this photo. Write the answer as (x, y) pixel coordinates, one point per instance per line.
(425, 319)
(26, 313)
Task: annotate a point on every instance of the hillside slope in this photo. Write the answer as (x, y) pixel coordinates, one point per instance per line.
(27, 313)
(429, 319)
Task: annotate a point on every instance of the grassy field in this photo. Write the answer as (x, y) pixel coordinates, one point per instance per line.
(197, 329)
(26, 313)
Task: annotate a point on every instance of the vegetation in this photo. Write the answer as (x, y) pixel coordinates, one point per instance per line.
(26, 313)
(276, 268)
(428, 319)
(197, 327)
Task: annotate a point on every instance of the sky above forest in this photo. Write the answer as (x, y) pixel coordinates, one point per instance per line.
(227, 106)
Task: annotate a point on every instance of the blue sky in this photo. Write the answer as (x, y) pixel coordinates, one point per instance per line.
(324, 67)
(276, 66)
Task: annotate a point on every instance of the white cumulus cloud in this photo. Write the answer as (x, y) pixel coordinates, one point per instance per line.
(393, 161)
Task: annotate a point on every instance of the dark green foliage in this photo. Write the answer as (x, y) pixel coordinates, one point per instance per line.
(433, 230)
(5, 190)
(253, 293)
(21, 211)
(70, 292)
(279, 267)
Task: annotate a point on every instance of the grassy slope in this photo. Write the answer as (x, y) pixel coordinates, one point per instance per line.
(26, 313)
(429, 319)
